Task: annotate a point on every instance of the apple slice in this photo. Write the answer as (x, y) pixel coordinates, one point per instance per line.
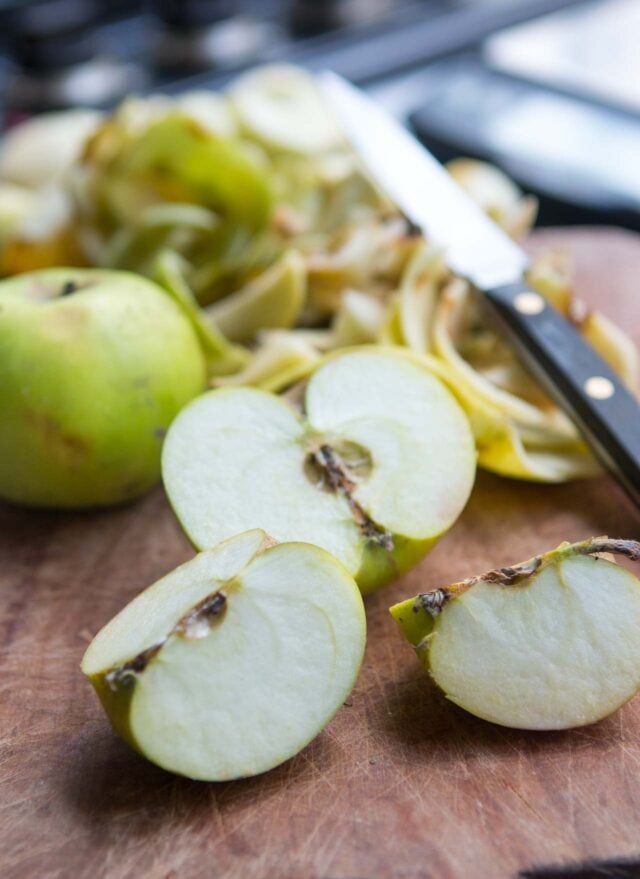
(232, 663)
(551, 643)
(378, 466)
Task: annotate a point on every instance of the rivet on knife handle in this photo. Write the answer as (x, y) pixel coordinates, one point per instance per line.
(580, 381)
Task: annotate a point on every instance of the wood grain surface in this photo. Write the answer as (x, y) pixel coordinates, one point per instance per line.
(401, 785)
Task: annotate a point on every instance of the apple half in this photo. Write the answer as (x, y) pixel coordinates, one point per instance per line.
(551, 643)
(374, 469)
(232, 663)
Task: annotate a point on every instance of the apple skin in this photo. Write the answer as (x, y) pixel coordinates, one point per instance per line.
(117, 707)
(89, 383)
(380, 567)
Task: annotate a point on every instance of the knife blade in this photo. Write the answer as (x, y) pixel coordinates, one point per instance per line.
(476, 248)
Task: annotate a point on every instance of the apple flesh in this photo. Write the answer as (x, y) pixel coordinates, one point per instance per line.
(378, 466)
(548, 644)
(232, 663)
(94, 365)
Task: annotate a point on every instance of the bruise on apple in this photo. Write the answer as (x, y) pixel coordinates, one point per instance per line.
(71, 448)
(433, 602)
(335, 474)
(125, 675)
(196, 623)
(47, 290)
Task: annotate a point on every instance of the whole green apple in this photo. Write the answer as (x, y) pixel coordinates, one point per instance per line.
(94, 365)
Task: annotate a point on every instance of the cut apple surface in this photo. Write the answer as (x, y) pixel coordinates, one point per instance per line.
(378, 466)
(549, 644)
(232, 663)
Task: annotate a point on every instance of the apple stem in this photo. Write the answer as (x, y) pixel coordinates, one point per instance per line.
(617, 546)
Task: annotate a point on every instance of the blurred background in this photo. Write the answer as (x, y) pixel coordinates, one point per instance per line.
(549, 90)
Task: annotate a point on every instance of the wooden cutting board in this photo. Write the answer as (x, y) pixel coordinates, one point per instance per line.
(401, 785)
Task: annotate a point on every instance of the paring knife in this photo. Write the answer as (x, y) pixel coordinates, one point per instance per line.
(604, 411)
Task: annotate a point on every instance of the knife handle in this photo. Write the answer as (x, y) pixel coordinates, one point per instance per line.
(578, 379)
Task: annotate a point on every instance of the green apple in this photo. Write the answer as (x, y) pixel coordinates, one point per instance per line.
(232, 663)
(94, 365)
(551, 643)
(375, 469)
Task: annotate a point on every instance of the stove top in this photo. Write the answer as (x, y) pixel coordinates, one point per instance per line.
(56, 53)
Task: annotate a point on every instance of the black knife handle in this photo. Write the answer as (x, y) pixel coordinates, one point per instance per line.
(604, 411)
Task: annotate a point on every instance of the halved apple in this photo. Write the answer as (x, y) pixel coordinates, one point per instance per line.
(232, 663)
(375, 469)
(551, 643)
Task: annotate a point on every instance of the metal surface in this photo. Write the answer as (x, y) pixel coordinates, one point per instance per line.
(476, 248)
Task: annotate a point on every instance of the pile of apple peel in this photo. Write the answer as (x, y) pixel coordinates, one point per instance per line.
(282, 250)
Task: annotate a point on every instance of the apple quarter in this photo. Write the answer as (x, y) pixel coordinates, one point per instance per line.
(233, 662)
(551, 643)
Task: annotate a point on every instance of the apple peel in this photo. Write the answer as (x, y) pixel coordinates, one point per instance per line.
(272, 300)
